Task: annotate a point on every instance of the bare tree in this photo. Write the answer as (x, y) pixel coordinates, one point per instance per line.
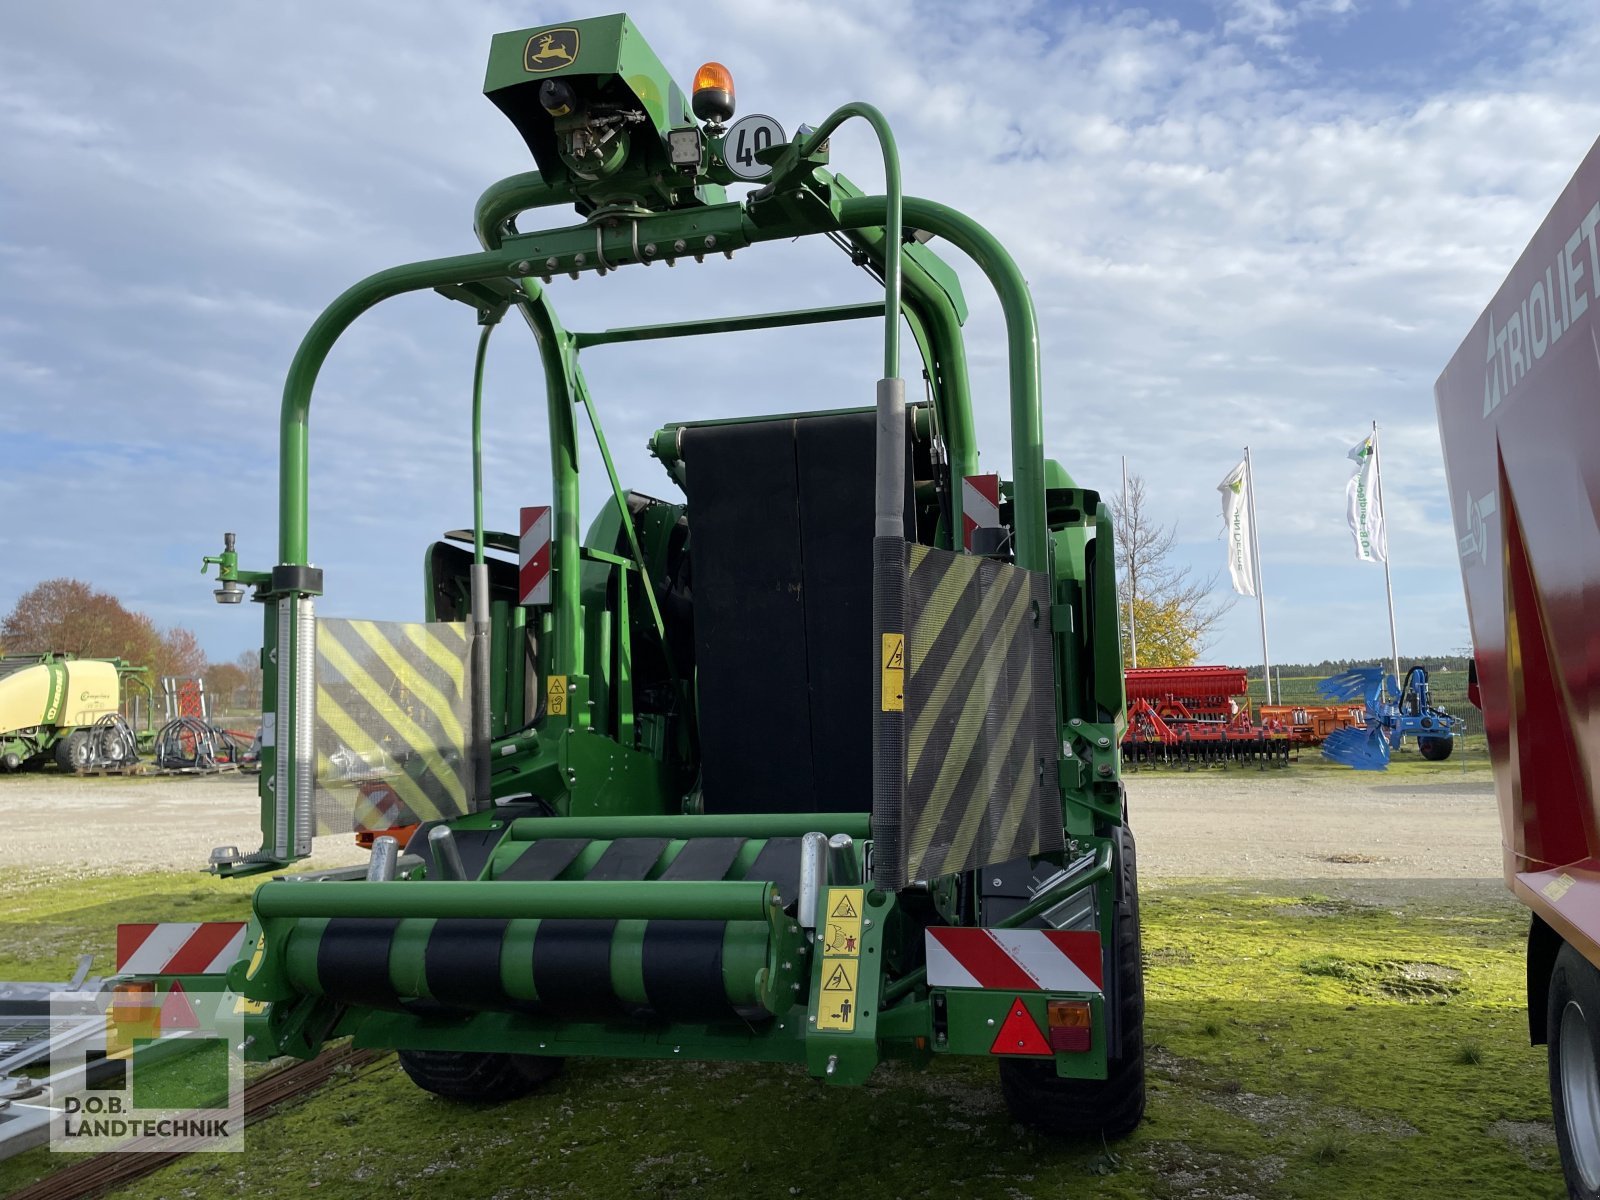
(1173, 614)
(69, 616)
(249, 667)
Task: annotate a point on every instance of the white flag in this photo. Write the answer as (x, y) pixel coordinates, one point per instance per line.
(1362, 506)
(1236, 524)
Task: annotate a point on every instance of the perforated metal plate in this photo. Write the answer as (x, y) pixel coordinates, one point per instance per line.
(392, 720)
(979, 721)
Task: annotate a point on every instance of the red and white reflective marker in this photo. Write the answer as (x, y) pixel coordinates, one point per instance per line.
(1020, 1034)
(533, 581)
(176, 1011)
(980, 505)
(179, 947)
(1014, 960)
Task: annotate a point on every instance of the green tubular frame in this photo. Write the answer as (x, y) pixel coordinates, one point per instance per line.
(674, 825)
(510, 256)
(513, 899)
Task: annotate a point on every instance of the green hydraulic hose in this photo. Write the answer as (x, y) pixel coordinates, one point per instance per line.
(477, 444)
(481, 715)
(892, 223)
(889, 486)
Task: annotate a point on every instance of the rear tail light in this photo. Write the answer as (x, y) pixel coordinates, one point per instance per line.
(134, 1014)
(1071, 1026)
(134, 1003)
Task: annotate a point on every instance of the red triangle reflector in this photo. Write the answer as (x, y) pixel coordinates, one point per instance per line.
(1020, 1033)
(176, 1011)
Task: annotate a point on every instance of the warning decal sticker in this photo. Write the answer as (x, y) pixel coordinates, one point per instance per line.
(841, 961)
(842, 978)
(843, 933)
(894, 672)
(555, 692)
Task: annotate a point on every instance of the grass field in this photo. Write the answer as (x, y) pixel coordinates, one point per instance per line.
(1301, 1045)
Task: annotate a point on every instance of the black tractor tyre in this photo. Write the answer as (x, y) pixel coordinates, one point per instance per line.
(72, 751)
(1435, 749)
(1573, 1014)
(1109, 1108)
(478, 1076)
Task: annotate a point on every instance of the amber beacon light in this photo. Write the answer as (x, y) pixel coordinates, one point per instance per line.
(713, 93)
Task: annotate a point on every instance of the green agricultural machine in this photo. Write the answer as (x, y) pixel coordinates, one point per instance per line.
(71, 709)
(817, 764)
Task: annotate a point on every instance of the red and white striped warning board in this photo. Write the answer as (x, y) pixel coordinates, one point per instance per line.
(1014, 960)
(179, 947)
(533, 583)
(980, 505)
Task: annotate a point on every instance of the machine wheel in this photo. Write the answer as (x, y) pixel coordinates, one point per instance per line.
(483, 1077)
(72, 751)
(1435, 749)
(1574, 1034)
(1112, 1107)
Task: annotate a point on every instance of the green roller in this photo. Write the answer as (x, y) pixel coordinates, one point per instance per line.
(577, 899)
(506, 981)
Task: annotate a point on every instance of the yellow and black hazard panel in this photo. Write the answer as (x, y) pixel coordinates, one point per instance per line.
(392, 718)
(980, 752)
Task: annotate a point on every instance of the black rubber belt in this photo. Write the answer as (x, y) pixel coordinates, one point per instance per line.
(704, 859)
(628, 859)
(462, 957)
(572, 958)
(545, 859)
(353, 961)
(461, 962)
(682, 960)
(779, 863)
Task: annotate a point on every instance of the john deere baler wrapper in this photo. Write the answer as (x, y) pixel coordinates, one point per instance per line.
(813, 766)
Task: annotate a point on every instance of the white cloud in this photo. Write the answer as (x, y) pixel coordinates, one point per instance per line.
(1226, 244)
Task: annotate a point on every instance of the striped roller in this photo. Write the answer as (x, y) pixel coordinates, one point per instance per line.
(1015, 960)
(179, 947)
(533, 577)
(980, 505)
(392, 708)
(981, 778)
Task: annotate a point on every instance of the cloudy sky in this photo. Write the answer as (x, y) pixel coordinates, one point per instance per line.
(1244, 221)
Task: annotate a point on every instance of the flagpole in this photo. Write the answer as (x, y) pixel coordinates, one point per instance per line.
(1133, 634)
(1388, 584)
(1255, 551)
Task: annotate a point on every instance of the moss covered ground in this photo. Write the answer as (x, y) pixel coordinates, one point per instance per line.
(1301, 1045)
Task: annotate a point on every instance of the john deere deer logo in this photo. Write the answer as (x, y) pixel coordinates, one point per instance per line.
(551, 49)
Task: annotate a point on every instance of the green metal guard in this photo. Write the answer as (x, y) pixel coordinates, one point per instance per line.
(579, 900)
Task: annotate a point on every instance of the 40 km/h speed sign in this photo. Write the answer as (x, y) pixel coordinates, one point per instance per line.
(745, 137)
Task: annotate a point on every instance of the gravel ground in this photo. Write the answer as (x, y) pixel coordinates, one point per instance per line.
(1298, 823)
(107, 824)
(1301, 823)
